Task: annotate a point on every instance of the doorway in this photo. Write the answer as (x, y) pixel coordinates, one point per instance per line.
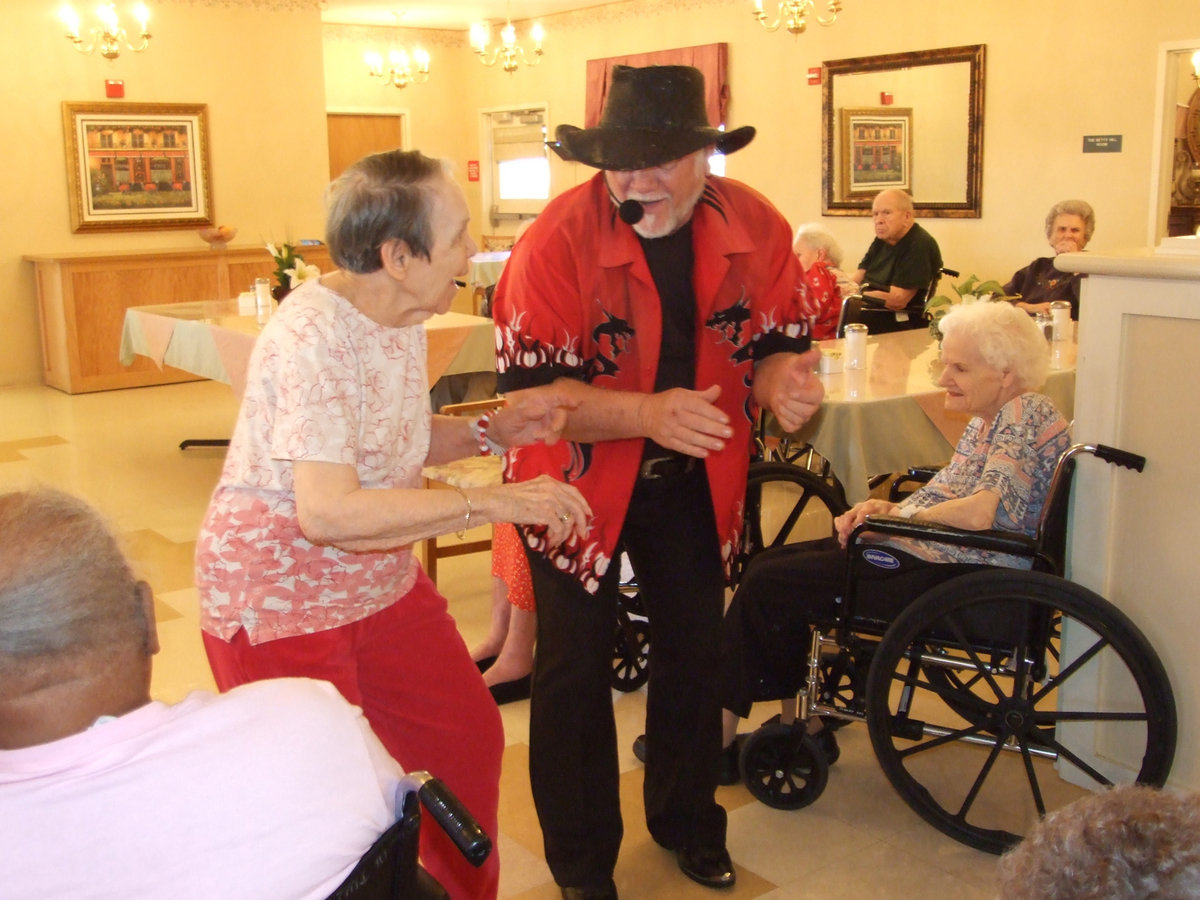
(354, 135)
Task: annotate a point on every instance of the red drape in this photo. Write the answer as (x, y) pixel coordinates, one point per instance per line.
(708, 58)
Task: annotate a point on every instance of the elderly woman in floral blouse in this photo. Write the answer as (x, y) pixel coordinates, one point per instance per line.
(994, 359)
(304, 562)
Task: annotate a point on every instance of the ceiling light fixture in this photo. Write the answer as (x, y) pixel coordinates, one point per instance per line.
(792, 14)
(510, 54)
(107, 37)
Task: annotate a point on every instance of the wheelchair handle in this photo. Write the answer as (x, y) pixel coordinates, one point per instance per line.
(454, 818)
(1120, 457)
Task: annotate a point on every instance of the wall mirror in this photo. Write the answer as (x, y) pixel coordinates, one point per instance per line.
(905, 120)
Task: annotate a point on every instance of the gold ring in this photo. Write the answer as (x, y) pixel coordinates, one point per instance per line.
(565, 517)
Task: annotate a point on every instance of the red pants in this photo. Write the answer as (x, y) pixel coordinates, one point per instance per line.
(411, 673)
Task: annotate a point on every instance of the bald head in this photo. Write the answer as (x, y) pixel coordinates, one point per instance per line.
(892, 213)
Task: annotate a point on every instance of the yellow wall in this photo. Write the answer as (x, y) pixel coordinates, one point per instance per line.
(258, 69)
(1055, 71)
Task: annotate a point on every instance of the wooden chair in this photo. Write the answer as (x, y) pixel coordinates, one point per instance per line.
(494, 242)
(472, 471)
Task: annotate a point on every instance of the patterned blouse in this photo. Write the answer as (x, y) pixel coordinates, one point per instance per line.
(325, 384)
(1014, 456)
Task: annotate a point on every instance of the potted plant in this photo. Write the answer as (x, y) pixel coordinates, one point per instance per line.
(971, 290)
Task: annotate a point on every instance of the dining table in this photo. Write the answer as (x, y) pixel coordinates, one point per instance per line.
(486, 267)
(213, 339)
(890, 414)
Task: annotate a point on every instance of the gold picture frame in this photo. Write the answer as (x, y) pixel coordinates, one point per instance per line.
(137, 166)
(877, 145)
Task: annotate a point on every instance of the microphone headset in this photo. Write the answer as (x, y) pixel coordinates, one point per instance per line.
(630, 211)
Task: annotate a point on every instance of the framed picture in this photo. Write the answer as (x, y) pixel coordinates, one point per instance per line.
(134, 166)
(877, 145)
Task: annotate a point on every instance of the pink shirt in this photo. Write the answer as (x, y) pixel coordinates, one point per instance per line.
(273, 790)
(325, 384)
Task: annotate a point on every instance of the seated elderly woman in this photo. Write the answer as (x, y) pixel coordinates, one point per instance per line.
(1069, 227)
(820, 256)
(305, 562)
(994, 359)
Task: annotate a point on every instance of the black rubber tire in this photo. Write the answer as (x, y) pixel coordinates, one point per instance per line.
(782, 767)
(990, 800)
(631, 655)
(793, 489)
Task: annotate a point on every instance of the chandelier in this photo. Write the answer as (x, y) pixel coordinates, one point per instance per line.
(509, 54)
(401, 70)
(108, 36)
(793, 12)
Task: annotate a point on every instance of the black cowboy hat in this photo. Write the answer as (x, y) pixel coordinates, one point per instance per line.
(652, 115)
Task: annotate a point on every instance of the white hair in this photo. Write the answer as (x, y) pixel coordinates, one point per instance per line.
(1006, 338)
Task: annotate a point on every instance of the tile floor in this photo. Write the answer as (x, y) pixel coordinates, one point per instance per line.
(119, 450)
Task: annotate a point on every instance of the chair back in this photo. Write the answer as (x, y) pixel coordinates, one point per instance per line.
(387, 870)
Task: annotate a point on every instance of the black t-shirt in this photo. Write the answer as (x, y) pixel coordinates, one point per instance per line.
(671, 260)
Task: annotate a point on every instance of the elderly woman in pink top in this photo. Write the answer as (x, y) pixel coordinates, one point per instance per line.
(304, 561)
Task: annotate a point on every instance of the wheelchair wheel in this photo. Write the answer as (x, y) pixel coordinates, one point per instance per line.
(782, 766)
(982, 739)
(631, 654)
(785, 504)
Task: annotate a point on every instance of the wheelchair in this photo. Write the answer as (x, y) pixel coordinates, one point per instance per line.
(389, 869)
(991, 695)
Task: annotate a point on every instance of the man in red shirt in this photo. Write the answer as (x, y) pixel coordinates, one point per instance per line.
(668, 305)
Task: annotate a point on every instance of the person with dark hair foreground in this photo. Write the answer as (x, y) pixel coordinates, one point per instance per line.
(1128, 843)
(668, 305)
(273, 790)
(305, 559)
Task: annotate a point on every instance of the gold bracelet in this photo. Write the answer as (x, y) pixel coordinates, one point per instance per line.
(462, 532)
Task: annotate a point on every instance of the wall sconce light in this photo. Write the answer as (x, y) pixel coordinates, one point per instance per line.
(401, 70)
(1196, 67)
(108, 37)
(792, 14)
(510, 54)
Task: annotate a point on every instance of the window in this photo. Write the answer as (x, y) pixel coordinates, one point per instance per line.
(518, 182)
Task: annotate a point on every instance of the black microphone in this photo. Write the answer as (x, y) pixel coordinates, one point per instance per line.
(631, 212)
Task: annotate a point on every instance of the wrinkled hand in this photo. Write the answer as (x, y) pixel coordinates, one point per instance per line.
(794, 393)
(848, 521)
(686, 421)
(544, 501)
(529, 416)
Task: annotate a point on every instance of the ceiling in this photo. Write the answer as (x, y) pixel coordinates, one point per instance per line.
(452, 14)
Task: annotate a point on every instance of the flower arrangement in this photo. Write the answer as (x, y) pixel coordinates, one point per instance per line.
(972, 290)
(290, 268)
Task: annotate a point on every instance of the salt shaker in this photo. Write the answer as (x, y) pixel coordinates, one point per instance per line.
(262, 300)
(856, 346)
(1060, 320)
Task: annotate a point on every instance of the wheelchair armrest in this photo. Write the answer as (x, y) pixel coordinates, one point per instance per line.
(1000, 541)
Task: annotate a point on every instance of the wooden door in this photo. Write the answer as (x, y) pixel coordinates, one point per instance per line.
(353, 136)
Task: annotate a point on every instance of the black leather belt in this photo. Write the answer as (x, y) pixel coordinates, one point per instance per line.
(667, 466)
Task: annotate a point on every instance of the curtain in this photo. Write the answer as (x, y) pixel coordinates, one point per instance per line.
(710, 59)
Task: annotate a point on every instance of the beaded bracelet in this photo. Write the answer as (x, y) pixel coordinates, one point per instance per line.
(462, 532)
(487, 447)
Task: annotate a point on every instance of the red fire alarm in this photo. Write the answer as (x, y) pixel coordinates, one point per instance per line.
(814, 75)
(472, 170)
(885, 98)
(114, 87)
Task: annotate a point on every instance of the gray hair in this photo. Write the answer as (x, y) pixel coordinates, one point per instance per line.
(1006, 338)
(1080, 208)
(819, 239)
(65, 585)
(1126, 843)
(382, 197)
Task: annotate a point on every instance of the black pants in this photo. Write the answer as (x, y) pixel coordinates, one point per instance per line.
(670, 536)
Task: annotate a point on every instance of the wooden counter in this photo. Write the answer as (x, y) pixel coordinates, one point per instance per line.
(82, 298)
